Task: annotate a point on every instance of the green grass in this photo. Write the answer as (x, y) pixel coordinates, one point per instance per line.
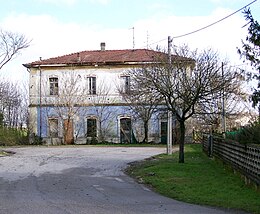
(199, 180)
(12, 136)
(2, 153)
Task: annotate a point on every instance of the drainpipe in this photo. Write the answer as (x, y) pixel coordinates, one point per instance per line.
(40, 94)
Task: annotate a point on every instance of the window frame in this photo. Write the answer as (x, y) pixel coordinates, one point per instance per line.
(54, 86)
(125, 84)
(95, 128)
(51, 132)
(92, 85)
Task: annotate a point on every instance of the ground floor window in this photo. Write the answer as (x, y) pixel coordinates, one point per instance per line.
(53, 127)
(91, 127)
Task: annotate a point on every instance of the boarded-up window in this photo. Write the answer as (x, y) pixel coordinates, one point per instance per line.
(92, 85)
(53, 127)
(91, 127)
(54, 86)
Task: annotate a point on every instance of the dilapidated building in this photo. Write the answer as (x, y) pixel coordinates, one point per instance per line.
(75, 98)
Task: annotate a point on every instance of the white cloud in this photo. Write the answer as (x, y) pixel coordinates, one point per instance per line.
(104, 2)
(53, 38)
(223, 37)
(72, 2)
(58, 2)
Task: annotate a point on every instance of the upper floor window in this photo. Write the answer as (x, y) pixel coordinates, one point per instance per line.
(92, 85)
(54, 86)
(125, 84)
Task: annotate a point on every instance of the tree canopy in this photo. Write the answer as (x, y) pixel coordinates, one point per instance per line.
(192, 78)
(251, 51)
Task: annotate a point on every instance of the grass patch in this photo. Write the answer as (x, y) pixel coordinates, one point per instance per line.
(2, 153)
(199, 180)
(5, 153)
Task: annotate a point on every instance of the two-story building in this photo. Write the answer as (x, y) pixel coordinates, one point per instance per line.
(75, 98)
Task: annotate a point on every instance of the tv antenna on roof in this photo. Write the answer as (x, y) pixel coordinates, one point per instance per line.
(133, 28)
(147, 39)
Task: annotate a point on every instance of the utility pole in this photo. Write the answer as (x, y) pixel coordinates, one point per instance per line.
(223, 104)
(40, 109)
(133, 37)
(169, 124)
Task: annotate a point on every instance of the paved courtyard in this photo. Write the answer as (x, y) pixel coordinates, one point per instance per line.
(68, 180)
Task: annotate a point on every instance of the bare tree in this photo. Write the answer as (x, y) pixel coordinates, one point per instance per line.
(66, 97)
(10, 103)
(100, 102)
(11, 45)
(229, 104)
(191, 78)
(143, 102)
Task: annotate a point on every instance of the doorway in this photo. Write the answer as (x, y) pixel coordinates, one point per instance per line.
(164, 127)
(125, 130)
(68, 131)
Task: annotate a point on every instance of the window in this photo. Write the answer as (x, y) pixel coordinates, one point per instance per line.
(92, 85)
(53, 127)
(91, 127)
(125, 84)
(54, 86)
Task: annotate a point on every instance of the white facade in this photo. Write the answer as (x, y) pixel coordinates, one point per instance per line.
(77, 101)
(106, 103)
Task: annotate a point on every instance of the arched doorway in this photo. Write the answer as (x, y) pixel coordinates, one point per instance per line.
(125, 130)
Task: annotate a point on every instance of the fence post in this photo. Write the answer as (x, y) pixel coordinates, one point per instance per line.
(210, 145)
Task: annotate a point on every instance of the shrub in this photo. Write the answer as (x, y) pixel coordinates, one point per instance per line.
(11, 136)
(246, 135)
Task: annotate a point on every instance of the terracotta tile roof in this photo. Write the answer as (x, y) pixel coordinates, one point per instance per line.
(105, 57)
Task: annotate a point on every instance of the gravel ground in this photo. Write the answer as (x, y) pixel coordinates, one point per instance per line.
(81, 179)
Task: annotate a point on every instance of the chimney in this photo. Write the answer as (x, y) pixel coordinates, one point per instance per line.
(78, 57)
(103, 46)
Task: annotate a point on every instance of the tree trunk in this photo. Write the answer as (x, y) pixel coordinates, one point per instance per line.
(182, 139)
(101, 134)
(145, 140)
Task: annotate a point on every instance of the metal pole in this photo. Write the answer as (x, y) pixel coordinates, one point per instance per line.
(169, 124)
(169, 133)
(40, 110)
(223, 104)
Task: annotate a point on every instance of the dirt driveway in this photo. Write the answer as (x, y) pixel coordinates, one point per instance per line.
(80, 180)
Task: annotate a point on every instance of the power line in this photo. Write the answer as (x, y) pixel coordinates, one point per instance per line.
(203, 28)
(121, 54)
(220, 20)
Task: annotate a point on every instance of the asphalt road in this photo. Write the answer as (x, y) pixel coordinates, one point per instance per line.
(68, 180)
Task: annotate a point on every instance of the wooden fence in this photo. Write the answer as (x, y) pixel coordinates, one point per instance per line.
(244, 158)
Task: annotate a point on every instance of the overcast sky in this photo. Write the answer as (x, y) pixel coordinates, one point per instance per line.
(58, 27)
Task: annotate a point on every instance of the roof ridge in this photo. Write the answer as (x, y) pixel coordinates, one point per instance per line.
(71, 54)
(101, 56)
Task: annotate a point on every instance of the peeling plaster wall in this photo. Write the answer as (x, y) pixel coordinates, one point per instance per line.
(42, 105)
